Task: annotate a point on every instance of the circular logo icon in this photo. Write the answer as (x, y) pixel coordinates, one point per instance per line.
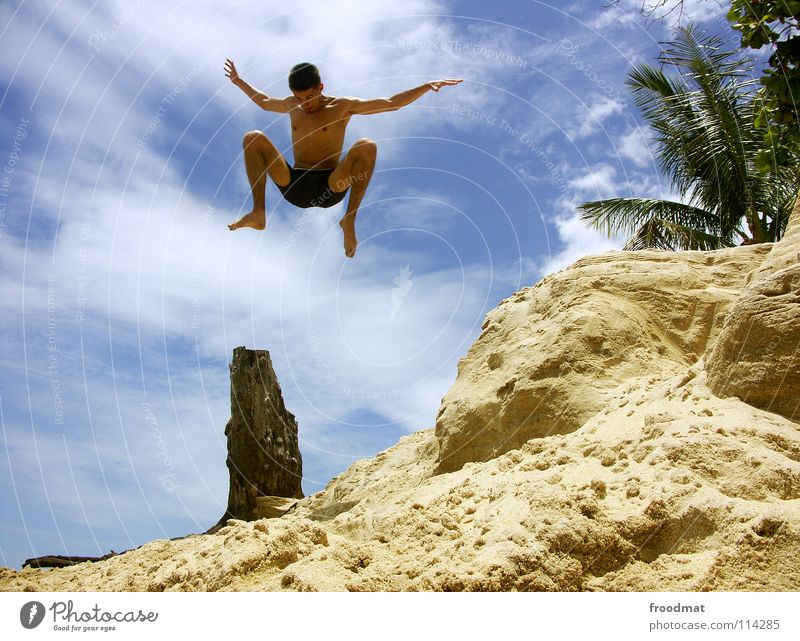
(31, 614)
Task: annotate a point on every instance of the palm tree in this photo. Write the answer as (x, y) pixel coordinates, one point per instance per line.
(707, 139)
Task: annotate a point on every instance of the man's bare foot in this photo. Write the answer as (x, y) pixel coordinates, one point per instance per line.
(348, 225)
(255, 219)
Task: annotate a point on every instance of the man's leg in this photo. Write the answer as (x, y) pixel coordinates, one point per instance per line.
(355, 172)
(260, 158)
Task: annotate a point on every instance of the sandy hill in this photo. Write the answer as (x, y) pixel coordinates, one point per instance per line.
(628, 423)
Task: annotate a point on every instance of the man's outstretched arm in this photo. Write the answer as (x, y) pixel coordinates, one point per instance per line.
(378, 105)
(261, 99)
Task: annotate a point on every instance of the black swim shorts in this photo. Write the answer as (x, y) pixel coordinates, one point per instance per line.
(309, 188)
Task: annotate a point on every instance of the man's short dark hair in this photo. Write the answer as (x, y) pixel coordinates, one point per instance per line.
(304, 76)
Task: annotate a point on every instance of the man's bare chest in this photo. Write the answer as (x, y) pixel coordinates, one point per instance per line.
(318, 127)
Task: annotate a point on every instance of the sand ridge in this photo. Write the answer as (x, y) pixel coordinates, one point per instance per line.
(608, 464)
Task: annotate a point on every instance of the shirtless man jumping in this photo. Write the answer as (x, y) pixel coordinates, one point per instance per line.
(317, 179)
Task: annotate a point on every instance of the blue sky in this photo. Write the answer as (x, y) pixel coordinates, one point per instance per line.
(124, 293)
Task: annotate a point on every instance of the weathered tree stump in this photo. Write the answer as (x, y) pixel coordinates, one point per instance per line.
(263, 455)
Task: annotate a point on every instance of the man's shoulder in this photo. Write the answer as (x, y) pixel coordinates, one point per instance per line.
(343, 102)
(336, 101)
(287, 104)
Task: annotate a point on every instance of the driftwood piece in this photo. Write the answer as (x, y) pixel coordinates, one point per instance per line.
(58, 561)
(63, 561)
(263, 454)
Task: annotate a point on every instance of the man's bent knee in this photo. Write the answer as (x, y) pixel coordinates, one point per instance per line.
(254, 136)
(259, 140)
(366, 146)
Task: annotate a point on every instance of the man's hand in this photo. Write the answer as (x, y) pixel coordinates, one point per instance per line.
(261, 99)
(438, 84)
(230, 70)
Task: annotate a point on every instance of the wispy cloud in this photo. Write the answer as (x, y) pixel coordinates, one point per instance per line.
(596, 114)
(578, 241)
(596, 184)
(670, 14)
(634, 146)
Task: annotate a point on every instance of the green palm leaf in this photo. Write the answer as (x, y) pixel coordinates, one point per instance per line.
(628, 215)
(704, 123)
(658, 233)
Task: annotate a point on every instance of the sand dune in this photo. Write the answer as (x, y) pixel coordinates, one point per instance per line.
(623, 424)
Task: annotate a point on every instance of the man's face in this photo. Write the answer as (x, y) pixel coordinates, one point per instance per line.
(309, 98)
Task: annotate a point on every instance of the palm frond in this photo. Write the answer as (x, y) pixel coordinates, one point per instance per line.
(658, 233)
(648, 236)
(705, 130)
(625, 215)
(703, 54)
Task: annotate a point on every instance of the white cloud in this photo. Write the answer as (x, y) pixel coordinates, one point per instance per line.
(634, 146)
(595, 115)
(691, 11)
(579, 241)
(613, 16)
(669, 13)
(596, 184)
